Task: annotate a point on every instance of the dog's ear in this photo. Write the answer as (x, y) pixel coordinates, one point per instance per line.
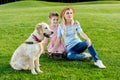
(38, 26)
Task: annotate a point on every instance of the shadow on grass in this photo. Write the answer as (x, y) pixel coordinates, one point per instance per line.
(6, 69)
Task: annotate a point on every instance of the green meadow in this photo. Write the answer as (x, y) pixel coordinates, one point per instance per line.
(99, 20)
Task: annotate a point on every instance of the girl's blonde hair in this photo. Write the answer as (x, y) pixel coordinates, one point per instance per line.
(63, 20)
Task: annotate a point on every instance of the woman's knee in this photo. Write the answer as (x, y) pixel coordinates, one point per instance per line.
(83, 47)
(85, 44)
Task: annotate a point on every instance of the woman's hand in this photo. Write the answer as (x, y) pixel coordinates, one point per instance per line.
(84, 36)
(89, 42)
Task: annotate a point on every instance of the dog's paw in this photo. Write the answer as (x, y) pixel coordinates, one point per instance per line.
(39, 71)
(33, 72)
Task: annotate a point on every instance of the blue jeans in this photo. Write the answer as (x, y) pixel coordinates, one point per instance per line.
(74, 53)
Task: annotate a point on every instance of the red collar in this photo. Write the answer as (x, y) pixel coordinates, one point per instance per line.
(36, 39)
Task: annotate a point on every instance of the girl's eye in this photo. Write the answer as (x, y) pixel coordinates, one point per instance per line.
(67, 13)
(55, 19)
(70, 12)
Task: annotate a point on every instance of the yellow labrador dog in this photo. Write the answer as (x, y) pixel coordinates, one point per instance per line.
(26, 56)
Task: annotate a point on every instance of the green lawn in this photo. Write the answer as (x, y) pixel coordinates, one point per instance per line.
(99, 20)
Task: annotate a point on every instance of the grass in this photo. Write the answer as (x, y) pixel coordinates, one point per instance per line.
(99, 21)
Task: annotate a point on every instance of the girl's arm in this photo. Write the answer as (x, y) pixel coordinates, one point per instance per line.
(56, 44)
(84, 36)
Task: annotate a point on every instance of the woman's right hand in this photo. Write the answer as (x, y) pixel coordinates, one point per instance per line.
(89, 42)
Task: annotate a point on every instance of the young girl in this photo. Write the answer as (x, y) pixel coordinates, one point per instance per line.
(60, 49)
(74, 44)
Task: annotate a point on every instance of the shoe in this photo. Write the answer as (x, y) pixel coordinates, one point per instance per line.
(87, 55)
(99, 64)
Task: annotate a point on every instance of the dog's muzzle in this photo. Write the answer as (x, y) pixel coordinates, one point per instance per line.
(47, 35)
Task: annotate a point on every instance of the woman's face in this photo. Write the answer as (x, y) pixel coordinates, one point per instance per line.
(68, 14)
(54, 20)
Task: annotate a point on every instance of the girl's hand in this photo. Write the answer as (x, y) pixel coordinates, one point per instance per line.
(52, 50)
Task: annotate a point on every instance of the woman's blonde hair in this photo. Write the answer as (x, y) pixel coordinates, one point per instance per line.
(63, 20)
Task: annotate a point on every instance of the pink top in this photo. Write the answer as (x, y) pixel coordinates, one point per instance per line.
(60, 48)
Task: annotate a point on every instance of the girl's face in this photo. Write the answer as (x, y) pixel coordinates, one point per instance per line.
(54, 20)
(68, 14)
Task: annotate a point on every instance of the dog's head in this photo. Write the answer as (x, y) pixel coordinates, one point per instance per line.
(43, 28)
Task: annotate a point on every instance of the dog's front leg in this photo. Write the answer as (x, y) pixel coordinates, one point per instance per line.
(32, 67)
(37, 65)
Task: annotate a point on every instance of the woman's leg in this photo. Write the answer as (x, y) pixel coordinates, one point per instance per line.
(72, 55)
(82, 46)
(97, 62)
(93, 52)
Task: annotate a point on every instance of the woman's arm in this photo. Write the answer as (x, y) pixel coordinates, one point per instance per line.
(84, 36)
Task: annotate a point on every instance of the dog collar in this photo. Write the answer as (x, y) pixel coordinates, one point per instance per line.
(29, 42)
(35, 38)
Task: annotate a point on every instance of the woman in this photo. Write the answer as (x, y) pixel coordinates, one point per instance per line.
(67, 30)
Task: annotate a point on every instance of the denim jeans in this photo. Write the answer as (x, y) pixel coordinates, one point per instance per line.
(74, 53)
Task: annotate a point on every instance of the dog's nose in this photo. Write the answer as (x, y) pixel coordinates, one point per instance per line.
(52, 32)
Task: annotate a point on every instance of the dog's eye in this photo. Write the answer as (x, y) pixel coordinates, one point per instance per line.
(46, 28)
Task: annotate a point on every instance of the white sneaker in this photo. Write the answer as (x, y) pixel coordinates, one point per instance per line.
(87, 55)
(99, 64)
